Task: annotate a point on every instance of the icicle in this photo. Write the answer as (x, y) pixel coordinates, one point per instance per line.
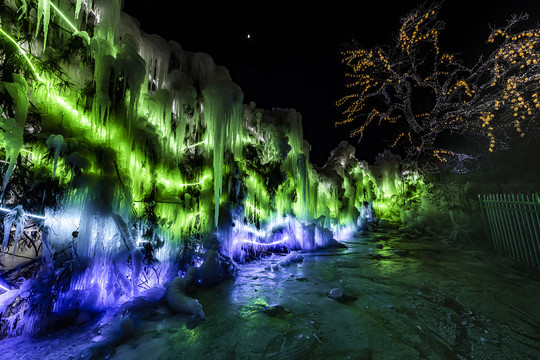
(78, 8)
(296, 134)
(56, 142)
(133, 67)
(108, 17)
(156, 52)
(202, 69)
(179, 58)
(221, 100)
(159, 111)
(103, 53)
(301, 167)
(12, 139)
(18, 217)
(48, 250)
(44, 11)
(120, 276)
(184, 103)
(22, 10)
(8, 224)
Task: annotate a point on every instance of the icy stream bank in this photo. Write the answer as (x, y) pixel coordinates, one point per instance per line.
(415, 298)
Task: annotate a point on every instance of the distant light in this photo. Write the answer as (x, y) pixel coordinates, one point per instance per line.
(249, 36)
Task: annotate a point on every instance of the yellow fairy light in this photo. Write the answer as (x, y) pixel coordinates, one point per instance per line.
(504, 86)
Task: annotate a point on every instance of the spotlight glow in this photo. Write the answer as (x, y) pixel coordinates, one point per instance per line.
(40, 217)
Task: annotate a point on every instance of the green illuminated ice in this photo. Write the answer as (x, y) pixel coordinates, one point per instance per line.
(133, 126)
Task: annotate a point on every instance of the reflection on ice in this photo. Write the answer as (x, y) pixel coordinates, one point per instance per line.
(435, 301)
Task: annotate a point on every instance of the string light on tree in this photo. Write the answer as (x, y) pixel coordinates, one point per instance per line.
(491, 99)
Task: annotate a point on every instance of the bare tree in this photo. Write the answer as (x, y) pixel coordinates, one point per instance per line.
(427, 95)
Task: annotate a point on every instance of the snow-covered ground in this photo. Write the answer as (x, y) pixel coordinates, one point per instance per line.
(416, 298)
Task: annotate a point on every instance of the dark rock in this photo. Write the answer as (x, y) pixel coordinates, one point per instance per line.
(336, 293)
(275, 311)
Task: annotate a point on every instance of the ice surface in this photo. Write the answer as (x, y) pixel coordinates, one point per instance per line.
(292, 257)
(439, 302)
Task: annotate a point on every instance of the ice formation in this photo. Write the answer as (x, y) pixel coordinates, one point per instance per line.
(177, 298)
(138, 152)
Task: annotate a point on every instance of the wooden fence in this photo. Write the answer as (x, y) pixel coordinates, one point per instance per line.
(513, 223)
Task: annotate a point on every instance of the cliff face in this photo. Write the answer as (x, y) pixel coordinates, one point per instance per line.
(137, 151)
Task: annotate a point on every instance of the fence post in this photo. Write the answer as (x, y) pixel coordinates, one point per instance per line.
(516, 253)
(520, 225)
(533, 234)
(487, 225)
(499, 230)
(536, 211)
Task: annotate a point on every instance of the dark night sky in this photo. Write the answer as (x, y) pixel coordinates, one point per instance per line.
(292, 58)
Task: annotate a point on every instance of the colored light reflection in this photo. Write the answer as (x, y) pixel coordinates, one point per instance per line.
(23, 53)
(273, 243)
(40, 217)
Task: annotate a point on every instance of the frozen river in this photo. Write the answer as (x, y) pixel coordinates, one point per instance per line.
(415, 298)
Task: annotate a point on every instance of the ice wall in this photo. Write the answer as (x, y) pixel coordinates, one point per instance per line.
(138, 151)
